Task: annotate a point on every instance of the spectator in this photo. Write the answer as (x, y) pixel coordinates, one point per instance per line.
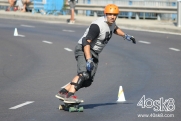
(25, 3)
(22, 4)
(11, 5)
(72, 4)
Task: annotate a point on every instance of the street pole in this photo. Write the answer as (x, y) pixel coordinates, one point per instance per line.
(179, 13)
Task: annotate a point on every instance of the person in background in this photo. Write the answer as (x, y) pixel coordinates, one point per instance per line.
(22, 4)
(25, 3)
(72, 4)
(12, 5)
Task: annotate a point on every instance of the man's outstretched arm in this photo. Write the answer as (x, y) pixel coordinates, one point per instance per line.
(119, 32)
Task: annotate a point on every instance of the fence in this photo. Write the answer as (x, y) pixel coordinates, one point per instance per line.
(162, 9)
(134, 3)
(156, 3)
(48, 6)
(179, 13)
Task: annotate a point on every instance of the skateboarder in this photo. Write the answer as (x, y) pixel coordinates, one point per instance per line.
(87, 51)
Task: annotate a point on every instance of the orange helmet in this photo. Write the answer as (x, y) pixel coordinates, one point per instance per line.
(111, 8)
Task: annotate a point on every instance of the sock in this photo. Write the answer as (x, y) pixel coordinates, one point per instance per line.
(64, 91)
(70, 94)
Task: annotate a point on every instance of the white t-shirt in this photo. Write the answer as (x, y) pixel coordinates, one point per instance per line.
(104, 36)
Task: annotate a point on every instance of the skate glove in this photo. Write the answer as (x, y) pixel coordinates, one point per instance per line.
(90, 64)
(129, 38)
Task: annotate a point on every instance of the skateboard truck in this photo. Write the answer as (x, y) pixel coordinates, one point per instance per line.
(71, 107)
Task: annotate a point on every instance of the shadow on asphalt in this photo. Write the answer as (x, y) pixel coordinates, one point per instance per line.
(90, 106)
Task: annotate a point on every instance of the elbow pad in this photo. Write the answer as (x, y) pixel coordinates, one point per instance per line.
(85, 42)
(116, 27)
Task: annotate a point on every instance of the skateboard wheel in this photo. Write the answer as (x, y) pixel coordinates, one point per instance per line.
(72, 109)
(61, 107)
(81, 109)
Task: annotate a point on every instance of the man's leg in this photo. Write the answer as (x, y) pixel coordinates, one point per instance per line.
(68, 91)
(11, 4)
(72, 11)
(72, 15)
(76, 84)
(70, 88)
(25, 2)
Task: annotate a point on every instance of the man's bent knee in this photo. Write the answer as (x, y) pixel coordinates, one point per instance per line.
(87, 83)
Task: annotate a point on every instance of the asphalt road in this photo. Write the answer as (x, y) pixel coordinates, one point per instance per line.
(35, 65)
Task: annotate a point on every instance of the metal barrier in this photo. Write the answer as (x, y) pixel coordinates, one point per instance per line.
(145, 9)
(48, 6)
(132, 3)
(157, 3)
(139, 9)
(179, 13)
(38, 5)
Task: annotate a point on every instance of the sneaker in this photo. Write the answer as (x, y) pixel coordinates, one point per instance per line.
(71, 22)
(61, 96)
(9, 9)
(72, 99)
(15, 8)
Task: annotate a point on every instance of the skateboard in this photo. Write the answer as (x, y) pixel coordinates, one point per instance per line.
(71, 107)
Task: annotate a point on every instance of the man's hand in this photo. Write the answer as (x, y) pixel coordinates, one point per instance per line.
(130, 38)
(90, 64)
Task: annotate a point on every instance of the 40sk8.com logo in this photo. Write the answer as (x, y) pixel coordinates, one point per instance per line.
(157, 105)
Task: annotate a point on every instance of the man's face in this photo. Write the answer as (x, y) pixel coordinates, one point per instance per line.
(111, 18)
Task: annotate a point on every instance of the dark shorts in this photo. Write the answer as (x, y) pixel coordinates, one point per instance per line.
(81, 61)
(72, 4)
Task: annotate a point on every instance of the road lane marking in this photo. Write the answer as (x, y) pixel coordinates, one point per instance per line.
(19, 35)
(48, 42)
(21, 105)
(67, 49)
(27, 26)
(68, 30)
(145, 42)
(175, 49)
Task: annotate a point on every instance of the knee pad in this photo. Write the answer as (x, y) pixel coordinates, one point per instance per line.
(80, 81)
(85, 75)
(87, 83)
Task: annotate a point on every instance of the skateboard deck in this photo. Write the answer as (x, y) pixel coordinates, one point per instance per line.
(71, 107)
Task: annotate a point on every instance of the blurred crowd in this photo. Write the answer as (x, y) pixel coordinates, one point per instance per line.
(20, 5)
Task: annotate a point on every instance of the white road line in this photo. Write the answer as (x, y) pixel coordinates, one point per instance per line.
(47, 42)
(175, 49)
(67, 49)
(27, 26)
(19, 35)
(68, 30)
(145, 42)
(21, 105)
